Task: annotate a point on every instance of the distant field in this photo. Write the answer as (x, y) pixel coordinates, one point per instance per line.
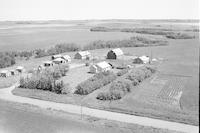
(34, 38)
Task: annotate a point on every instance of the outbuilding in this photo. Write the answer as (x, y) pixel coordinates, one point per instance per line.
(59, 61)
(100, 67)
(53, 57)
(82, 55)
(20, 69)
(137, 60)
(48, 63)
(115, 53)
(13, 72)
(67, 58)
(145, 59)
(5, 73)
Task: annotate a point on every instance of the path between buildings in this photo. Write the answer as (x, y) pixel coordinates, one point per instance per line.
(6, 94)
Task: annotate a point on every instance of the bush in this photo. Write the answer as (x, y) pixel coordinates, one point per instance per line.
(66, 89)
(97, 81)
(120, 88)
(116, 91)
(6, 59)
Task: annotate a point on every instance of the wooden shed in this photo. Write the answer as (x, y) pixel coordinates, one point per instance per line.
(20, 69)
(115, 53)
(59, 61)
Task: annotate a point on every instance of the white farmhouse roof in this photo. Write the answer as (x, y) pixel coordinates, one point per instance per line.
(103, 64)
(20, 67)
(118, 51)
(84, 53)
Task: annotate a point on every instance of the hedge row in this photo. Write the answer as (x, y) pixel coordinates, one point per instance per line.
(118, 89)
(97, 81)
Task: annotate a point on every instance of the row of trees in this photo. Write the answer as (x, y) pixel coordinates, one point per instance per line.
(122, 86)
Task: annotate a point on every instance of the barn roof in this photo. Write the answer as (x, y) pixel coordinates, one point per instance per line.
(118, 51)
(58, 59)
(48, 62)
(103, 64)
(84, 53)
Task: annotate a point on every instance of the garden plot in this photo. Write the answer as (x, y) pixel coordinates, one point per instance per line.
(164, 90)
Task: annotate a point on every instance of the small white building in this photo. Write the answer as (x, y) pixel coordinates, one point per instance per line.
(66, 58)
(5, 73)
(59, 61)
(53, 57)
(145, 59)
(82, 55)
(48, 63)
(100, 67)
(20, 69)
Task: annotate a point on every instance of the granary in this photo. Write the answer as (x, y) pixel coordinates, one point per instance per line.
(137, 60)
(20, 69)
(48, 63)
(53, 57)
(82, 55)
(5, 73)
(13, 72)
(100, 67)
(115, 53)
(67, 58)
(59, 61)
(145, 59)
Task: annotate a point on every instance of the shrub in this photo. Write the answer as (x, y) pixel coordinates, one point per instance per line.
(116, 91)
(97, 81)
(66, 89)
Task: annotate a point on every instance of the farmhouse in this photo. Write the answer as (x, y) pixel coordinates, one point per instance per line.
(140, 60)
(100, 67)
(48, 63)
(20, 69)
(82, 55)
(56, 56)
(5, 73)
(59, 61)
(67, 58)
(115, 53)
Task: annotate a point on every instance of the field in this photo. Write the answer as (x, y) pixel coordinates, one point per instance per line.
(171, 93)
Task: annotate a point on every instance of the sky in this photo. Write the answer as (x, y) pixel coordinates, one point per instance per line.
(98, 9)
